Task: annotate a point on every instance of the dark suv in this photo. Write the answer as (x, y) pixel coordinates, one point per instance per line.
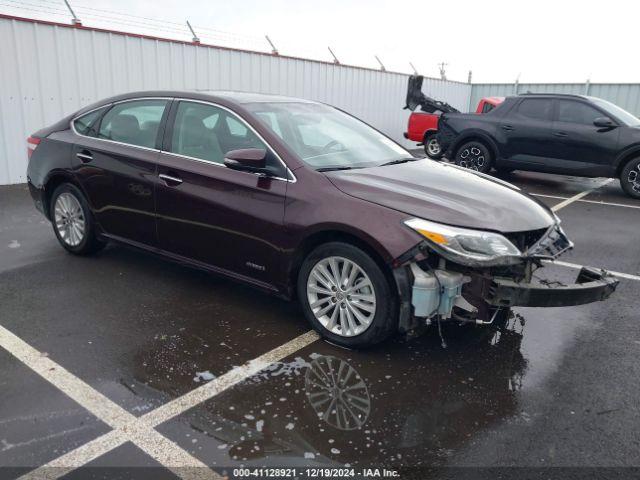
(566, 134)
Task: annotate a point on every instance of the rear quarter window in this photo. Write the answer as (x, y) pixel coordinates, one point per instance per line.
(87, 123)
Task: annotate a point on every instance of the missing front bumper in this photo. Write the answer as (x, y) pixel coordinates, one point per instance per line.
(592, 285)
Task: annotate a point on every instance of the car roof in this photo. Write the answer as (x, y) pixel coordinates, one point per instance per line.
(227, 96)
(251, 97)
(553, 95)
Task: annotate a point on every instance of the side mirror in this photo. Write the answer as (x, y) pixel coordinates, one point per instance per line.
(247, 159)
(604, 122)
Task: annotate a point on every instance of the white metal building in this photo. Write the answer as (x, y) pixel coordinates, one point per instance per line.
(49, 70)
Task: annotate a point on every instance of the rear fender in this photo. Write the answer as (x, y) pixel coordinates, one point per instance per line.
(474, 134)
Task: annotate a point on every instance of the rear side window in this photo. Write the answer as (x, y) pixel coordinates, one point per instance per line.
(535, 108)
(577, 112)
(136, 122)
(87, 123)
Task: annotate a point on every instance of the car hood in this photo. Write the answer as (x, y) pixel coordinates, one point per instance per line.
(445, 194)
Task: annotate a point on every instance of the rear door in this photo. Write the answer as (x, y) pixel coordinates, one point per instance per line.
(578, 145)
(227, 219)
(115, 164)
(526, 130)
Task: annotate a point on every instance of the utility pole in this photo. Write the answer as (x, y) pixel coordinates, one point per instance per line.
(195, 39)
(415, 70)
(470, 76)
(74, 18)
(443, 72)
(381, 64)
(274, 50)
(335, 59)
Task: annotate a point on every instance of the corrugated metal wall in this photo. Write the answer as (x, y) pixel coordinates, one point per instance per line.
(49, 71)
(625, 95)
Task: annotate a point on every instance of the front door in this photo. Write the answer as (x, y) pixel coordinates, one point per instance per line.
(230, 220)
(580, 146)
(116, 166)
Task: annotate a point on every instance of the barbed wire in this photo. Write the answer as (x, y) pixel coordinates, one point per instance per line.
(102, 17)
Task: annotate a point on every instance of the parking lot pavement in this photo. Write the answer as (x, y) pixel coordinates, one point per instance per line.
(605, 236)
(33, 431)
(556, 388)
(129, 462)
(137, 329)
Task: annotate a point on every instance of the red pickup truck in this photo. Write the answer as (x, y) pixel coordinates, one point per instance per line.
(423, 125)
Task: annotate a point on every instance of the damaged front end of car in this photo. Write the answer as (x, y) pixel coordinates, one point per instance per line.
(470, 275)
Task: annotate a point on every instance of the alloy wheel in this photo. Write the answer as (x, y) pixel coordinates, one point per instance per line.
(634, 178)
(69, 219)
(433, 147)
(341, 296)
(472, 158)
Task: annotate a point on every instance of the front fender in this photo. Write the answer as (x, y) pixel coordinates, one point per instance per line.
(632, 151)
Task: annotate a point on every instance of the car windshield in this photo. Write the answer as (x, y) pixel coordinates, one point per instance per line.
(614, 110)
(326, 138)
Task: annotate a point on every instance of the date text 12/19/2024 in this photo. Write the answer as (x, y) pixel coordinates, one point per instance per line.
(310, 473)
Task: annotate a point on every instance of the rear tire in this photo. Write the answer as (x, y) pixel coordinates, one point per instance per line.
(346, 296)
(630, 178)
(431, 146)
(72, 221)
(474, 155)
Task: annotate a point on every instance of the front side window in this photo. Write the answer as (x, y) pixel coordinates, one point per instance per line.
(536, 108)
(87, 124)
(324, 137)
(136, 122)
(576, 112)
(207, 132)
(616, 111)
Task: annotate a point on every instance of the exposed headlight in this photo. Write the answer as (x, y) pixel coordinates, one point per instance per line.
(465, 246)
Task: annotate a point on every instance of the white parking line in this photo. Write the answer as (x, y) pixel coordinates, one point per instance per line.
(578, 267)
(582, 200)
(577, 197)
(127, 427)
(226, 381)
(89, 398)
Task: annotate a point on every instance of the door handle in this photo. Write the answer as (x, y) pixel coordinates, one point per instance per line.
(508, 128)
(84, 156)
(170, 180)
(560, 134)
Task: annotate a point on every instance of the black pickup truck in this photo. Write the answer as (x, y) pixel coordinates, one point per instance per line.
(552, 133)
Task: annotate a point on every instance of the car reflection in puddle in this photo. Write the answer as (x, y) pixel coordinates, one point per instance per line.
(402, 403)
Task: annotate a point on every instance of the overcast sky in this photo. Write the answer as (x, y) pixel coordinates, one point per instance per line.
(539, 41)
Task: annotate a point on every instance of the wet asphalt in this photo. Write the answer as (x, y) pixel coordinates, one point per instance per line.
(555, 388)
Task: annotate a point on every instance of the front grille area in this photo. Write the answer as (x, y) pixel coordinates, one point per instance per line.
(524, 240)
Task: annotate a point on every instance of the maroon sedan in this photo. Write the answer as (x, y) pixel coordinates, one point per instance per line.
(299, 199)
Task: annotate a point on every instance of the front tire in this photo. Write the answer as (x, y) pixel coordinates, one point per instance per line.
(72, 221)
(474, 155)
(346, 296)
(432, 147)
(630, 178)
